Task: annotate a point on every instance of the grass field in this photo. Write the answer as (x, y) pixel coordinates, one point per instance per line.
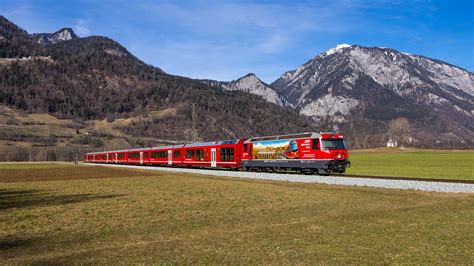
(413, 163)
(58, 214)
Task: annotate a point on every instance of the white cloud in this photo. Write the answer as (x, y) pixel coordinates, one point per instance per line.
(274, 44)
(80, 28)
(223, 40)
(267, 27)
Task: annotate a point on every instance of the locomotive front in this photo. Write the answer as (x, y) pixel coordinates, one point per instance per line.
(334, 148)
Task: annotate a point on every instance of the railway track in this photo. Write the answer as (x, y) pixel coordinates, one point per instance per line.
(444, 180)
(423, 184)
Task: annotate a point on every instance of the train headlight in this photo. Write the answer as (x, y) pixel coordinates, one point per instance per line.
(339, 156)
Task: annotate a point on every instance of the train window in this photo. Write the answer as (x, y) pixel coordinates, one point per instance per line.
(121, 155)
(158, 154)
(226, 154)
(189, 154)
(332, 144)
(245, 147)
(176, 154)
(315, 144)
(200, 155)
(133, 155)
(145, 155)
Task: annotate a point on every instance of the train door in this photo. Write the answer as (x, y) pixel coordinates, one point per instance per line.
(116, 157)
(107, 157)
(213, 157)
(170, 157)
(93, 158)
(141, 157)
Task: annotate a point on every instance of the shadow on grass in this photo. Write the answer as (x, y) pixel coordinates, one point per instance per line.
(36, 198)
(11, 243)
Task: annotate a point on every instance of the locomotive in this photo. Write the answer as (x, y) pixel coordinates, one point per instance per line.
(311, 152)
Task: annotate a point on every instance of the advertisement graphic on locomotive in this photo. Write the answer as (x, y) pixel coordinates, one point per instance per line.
(275, 149)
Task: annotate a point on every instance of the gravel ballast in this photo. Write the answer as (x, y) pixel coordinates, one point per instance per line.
(330, 180)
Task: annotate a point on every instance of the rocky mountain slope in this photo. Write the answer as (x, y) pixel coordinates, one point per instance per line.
(61, 35)
(363, 90)
(252, 84)
(95, 78)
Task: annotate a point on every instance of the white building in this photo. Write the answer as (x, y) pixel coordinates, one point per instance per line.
(392, 143)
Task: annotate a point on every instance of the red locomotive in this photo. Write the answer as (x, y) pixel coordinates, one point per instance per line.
(321, 153)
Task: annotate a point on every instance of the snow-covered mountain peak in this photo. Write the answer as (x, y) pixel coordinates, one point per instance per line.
(381, 84)
(337, 48)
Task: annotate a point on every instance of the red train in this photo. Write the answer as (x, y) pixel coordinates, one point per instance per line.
(321, 153)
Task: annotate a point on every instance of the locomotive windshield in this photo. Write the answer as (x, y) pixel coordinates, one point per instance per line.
(332, 144)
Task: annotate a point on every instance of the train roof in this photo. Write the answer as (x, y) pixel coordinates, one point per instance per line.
(199, 144)
(212, 143)
(117, 151)
(97, 152)
(168, 147)
(139, 149)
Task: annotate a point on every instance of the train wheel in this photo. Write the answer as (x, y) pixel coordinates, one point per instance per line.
(323, 172)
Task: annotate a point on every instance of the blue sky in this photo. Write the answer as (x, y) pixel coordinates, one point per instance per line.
(224, 40)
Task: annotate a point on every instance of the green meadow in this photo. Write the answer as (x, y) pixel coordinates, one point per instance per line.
(413, 163)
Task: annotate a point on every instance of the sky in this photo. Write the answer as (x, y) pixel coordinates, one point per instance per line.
(224, 40)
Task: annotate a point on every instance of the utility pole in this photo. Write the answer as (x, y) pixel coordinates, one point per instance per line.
(194, 123)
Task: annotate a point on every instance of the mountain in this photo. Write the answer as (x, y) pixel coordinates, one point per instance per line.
(366, 90)
(61, 35)
(250, 83)
(95, 78)
(368, 94)
(16, 42)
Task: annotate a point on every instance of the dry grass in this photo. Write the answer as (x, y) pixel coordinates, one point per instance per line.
(27, 172)
(40, 126)
(139, 216)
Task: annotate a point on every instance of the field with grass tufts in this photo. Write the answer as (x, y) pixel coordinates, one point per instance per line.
(64, 213)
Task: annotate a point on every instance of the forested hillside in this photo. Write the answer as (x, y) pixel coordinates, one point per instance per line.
(96, 78)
